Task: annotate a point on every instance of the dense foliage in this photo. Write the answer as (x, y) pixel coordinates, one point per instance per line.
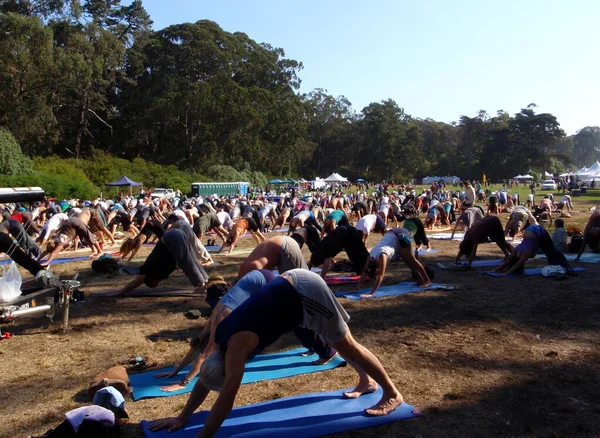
(91, 79)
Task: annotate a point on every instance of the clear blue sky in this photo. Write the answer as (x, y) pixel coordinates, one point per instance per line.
(436, 58)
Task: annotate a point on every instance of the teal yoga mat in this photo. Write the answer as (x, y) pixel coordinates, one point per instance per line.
(389, 291)
(308, 415)
(262, 367)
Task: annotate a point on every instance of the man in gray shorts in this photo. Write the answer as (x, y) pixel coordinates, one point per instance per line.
(281, 252)
(469, 217)
(298, 297)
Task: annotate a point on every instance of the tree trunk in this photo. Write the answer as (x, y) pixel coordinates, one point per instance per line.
(81, 128)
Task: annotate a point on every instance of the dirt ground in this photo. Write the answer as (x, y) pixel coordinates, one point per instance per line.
(495, 357)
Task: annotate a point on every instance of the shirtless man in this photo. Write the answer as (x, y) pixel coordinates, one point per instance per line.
(546, 206)
(281, 252)
(278, 308)
(239, 229)
(282, 218)
(489, 227)
(92, 219)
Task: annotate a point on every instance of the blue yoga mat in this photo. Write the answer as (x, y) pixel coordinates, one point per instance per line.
(530, 271)
(586, 257)
(55, 261)
(387, 291)
(213, 247)
(308, 415)
(262, 367)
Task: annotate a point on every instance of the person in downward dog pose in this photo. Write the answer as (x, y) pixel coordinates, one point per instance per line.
(280, 306)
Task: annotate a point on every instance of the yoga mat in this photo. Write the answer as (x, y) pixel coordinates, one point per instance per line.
(131, 270)
(315, 270)
(240, 251)
(147, 292)
(69, 260)
(462, 266)
(446, 236)
(342, 279)
(212, 247)
(424, 252)
(530, 271)
(586, 257)
(262, 367)
(388, 291)
(307, 415)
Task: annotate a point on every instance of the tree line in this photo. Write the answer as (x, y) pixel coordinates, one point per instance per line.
(82, 76)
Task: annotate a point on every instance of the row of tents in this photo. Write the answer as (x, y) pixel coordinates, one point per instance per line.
(586, 174)
(333, 178)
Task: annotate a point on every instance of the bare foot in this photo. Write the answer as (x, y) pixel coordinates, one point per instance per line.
(323, 360)
(385, 406)
(362, 389)
(172, 388)
(427, 284)
(367, 296)
(208, 263)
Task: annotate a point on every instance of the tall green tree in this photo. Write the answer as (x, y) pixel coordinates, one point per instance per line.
(586, 146)
(330, 129)
(390, 145)
(29, 82)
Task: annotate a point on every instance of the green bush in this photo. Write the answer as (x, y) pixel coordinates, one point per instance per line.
(86, 178)
(12, 159)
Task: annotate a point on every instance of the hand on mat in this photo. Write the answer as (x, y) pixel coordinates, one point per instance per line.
(167, 375)
(200, 290)
(172, 424)
(173, 387)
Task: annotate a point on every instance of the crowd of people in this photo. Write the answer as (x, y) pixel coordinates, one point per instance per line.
(262, 305)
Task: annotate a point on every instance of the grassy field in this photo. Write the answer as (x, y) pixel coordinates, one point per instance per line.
(494, 357)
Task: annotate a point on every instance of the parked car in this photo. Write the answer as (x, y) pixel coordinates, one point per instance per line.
(549, 184)
(163, 193)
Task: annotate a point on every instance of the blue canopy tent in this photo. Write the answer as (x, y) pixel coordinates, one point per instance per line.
(124, 182)
(275, 181)
(360, 180)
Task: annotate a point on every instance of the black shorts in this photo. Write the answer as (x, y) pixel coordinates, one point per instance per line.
(252, 224)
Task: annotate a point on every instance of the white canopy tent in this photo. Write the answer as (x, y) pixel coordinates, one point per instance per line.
(446, 179)
(523, 177)
(335, 178)
(592, 170)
